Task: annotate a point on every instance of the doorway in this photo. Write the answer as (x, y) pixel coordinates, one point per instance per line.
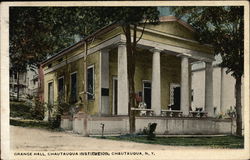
(175, 96)
(147, 93)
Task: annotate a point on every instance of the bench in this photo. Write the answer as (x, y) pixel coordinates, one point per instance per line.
(197, 114)
(171, 113)
(143, 112)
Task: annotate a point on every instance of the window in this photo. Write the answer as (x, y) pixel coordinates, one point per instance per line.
(73, 91)
(90, 82)
(175, 95)
(50, 93)
(60, 88)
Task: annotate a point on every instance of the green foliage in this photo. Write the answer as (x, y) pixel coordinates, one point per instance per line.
(55, 121)
(223, 27)
(20, 109)
(29, 123)
(37, 110)
(27, 110)
(210, 142)
(37, 32)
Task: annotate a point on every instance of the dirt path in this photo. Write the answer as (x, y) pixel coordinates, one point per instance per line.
(30, 139)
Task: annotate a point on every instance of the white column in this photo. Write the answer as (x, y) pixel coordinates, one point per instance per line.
(222, 91)
(156, 83)
(122, 108)
(185, 86)
(104, 83)
(190, 83)
(209, 89)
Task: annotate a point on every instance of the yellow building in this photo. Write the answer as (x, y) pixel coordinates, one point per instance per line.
(94, 71)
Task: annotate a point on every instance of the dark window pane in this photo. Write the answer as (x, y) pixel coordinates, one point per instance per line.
(147, 84)
(73, 97)
(60, 88)
(90, 81)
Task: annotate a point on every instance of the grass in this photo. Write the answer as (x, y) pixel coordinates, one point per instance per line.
(211, 142)
(29, 123)
(34, 124)
(20, 109)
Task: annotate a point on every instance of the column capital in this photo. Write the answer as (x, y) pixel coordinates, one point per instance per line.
(156, 49)
(121, 43)
(184, 55)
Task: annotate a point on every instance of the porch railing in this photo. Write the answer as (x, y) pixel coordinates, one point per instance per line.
(168, 113)
(197, 114)
(171, 113)
(143, 111)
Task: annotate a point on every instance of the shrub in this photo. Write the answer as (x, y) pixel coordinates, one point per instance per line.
(37, 110)
(55, 121)
(20, 109)
(149, 131)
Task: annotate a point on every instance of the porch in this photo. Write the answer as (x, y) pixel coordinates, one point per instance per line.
(163, 74)
(92, 125)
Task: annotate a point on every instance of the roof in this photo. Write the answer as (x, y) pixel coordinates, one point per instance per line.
(173, 18)
(81, 42)
(105, 30)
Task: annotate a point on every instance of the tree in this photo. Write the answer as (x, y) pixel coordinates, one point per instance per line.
(130, 18)
(37, 32)
(223, 27)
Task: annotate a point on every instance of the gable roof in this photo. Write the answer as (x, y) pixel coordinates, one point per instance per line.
(175, 19)
(107, 28)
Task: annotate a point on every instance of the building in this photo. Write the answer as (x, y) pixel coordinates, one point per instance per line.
(96, 76)
(223, 87)
(28, 83)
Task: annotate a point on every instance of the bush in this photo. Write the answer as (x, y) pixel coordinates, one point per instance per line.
(149, 131)
(55, 122)
(37, 110)
(27, 110)
(20, 109)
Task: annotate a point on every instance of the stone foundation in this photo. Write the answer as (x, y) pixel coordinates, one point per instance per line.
(89, 125)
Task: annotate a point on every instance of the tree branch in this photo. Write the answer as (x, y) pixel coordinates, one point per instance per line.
(142, 32)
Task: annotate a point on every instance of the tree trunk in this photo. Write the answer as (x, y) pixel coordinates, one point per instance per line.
(238, 107)
(18, 85)
(131, 71)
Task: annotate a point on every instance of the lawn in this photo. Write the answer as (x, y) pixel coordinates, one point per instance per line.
(30, 123)
(211, 142)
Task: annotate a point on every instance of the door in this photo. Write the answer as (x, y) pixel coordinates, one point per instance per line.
(147, 93)
(115, 94)
(177, 100)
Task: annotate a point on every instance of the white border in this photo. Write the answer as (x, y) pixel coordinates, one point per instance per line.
(172, 154)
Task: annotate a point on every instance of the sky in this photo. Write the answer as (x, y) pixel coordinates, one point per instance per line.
(164, 11)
